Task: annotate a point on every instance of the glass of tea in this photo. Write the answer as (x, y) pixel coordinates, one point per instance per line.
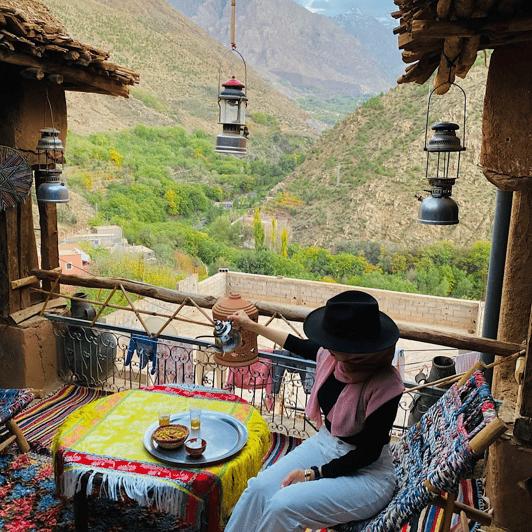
(195, 418)
(164, 418)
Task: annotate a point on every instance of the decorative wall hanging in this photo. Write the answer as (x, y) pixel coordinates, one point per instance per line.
(16, 177)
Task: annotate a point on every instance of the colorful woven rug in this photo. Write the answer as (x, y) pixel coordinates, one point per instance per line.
(40, 422)
(27, 492)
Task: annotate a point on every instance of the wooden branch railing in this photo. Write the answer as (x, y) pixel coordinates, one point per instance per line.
(290, 313)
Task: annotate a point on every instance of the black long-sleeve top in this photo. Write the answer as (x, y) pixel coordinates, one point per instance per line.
(375, 433)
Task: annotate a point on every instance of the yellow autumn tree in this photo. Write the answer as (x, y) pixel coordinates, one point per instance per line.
(272, 234)
(258, 230)
(284, 242)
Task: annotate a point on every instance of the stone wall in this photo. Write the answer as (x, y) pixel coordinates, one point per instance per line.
(188, 284)
(216, 285)
(28, 354)
(426, 311)
(416, 309)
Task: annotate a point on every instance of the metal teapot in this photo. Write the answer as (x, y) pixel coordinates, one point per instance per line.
(226, 337)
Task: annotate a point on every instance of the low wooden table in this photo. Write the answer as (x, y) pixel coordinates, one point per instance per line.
(102, 444)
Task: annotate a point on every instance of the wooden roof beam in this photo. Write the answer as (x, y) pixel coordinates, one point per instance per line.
(408, 42)
(441, 29)
(91, 81)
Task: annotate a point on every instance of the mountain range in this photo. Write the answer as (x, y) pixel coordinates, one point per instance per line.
(178, 63)
(380, 9)
(348, 55)
(362, 179)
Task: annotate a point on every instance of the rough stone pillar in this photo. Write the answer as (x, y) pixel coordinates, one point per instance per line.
(507, 162)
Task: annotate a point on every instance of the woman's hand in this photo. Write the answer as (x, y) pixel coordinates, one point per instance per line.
(241, 320)
(295, 476)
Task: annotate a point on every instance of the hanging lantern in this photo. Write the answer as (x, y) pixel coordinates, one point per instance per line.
(232, 103)
(442, 170)
(247, 351)
(50, 154)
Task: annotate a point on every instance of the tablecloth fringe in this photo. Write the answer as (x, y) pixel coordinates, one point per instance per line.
(149, 492)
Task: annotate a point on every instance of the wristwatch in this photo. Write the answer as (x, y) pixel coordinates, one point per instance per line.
(317, 474)
(308, 474)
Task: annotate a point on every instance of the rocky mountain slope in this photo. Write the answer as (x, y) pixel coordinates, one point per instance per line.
(363, 179)
(178, 64)
(306, 50)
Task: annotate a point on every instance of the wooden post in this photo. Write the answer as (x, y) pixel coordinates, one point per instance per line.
(526, 393)
(445, 523)
(27, 252)
(49, 239)
(9, 261)
(523, 423)
(506, 159)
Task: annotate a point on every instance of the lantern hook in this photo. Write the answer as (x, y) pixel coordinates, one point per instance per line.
(233, 43)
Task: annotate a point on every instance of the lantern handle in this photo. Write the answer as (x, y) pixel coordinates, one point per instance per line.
(428, 109)
(233, 50)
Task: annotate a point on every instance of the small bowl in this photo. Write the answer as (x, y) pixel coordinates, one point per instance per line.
(194, 448)
(170, 436)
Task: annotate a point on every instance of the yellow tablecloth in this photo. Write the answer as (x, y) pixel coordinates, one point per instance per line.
(106, 438)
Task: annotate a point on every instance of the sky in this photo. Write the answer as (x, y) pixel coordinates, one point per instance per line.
(376, 8)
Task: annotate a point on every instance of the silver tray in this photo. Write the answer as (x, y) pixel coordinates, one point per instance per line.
(225, 436)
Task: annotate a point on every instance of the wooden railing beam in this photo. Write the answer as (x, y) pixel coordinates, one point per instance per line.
(289, 312)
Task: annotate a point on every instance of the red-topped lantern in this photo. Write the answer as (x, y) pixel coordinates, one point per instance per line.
(232, 102)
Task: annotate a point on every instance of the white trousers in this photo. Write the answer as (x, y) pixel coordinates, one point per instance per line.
(266, 507)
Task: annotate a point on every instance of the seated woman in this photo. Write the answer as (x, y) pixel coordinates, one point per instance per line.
(345, 471)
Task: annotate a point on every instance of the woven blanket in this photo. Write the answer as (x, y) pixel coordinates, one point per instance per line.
(40, 422)
(105, 439)
(12, 402)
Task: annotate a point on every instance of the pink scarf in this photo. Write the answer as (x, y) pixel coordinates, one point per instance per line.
(371, 382)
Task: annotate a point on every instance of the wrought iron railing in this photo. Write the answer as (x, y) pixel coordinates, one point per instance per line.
(115, 358)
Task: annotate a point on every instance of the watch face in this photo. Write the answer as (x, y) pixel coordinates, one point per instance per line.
(16, 177)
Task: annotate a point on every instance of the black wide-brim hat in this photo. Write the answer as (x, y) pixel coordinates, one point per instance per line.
(351, 322)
